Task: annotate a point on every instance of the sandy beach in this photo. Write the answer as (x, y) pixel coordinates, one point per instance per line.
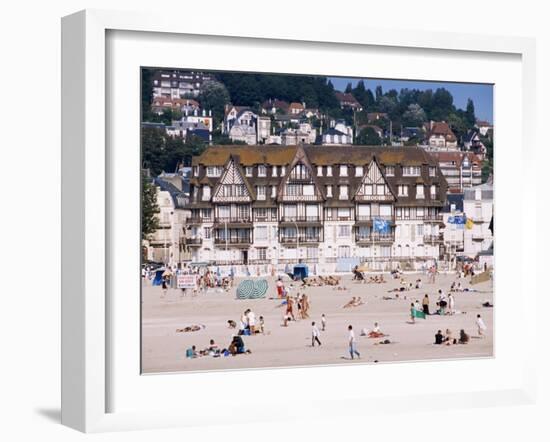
(163, 348)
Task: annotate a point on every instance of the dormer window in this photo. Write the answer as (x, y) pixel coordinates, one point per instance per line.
(390, 171)
(329, 170)
(419, 191)
(359, 171)
(260, 192)
(343, 192)
(274, 171)
(262, 170)
(248, 171)
(319, 170)
(432, 171)
(343, 170)
(329, 191)
(214, 171)
(411, 171)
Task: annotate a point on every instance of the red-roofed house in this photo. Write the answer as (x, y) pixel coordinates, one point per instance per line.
(348, 101)
(296, 108)
(440, 135)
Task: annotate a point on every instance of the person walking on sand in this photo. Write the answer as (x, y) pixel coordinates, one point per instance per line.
(451, 300)
(289, 307)
(413, 312)
(314, 334)
(280, 288)
(426, 304)
(352, 345)
(323, 322)
(481, 327)
(164, 288)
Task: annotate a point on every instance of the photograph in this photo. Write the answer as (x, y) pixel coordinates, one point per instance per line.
(296, 220)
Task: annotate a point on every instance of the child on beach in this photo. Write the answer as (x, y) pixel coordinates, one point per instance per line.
(314, 335)
(262, 325)
(481, 327)
(191, 352)
(323, 322)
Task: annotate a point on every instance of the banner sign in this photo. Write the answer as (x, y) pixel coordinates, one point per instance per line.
(186, 281)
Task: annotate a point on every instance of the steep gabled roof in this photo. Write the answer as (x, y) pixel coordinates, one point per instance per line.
(441, 128)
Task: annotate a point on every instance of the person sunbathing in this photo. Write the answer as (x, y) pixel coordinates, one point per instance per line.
(237, 346)
(376, 332)
(350, 303)
(449, 337)
(358, 302)
(397, 289)
(189, 328)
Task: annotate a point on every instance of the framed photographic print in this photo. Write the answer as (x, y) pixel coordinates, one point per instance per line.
(318, 209)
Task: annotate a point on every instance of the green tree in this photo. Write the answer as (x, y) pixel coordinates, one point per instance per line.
(149, 207)
(414, 116)
(349, 88)
(458, 124)
(146, 93)
(368, 137)
(214, 96)
(470, 113)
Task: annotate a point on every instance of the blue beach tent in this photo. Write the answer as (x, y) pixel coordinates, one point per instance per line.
(300, 271)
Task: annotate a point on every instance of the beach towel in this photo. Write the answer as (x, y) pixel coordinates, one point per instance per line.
(418, 314)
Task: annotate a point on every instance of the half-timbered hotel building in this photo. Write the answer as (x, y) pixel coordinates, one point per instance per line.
(261, 207)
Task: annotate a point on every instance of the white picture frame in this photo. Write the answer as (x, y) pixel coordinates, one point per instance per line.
(86, 315)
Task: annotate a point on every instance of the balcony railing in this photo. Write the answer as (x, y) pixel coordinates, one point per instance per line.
(373, 217)
(230, 241)
(193, 241)
(309, 219)
(299, 198)
(430, 239)
(300, 239)
(198, 220)
(233, 220)
(375, 237)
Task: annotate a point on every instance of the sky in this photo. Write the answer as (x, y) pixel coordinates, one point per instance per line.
(481, 94)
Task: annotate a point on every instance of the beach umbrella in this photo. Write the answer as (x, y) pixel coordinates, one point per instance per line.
(260, 289)
(245, 289)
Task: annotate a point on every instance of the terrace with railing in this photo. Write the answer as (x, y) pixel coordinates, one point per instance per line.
(376, 238)
(233, 241)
